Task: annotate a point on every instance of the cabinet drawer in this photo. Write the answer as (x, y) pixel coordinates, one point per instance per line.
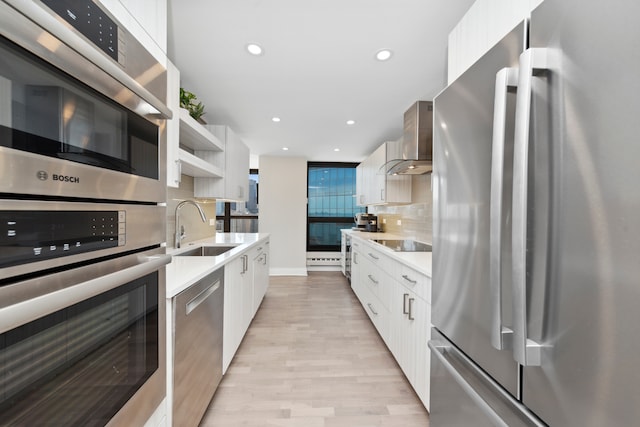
(378, 259)
(377, 281)
(379, 316)
(417, 282)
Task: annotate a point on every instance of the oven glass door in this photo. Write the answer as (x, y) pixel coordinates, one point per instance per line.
(79, 365)
(46, 112)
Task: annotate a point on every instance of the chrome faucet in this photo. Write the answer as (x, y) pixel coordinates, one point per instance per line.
(180, 230)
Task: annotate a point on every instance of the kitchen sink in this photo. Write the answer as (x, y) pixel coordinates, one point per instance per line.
(206, 251)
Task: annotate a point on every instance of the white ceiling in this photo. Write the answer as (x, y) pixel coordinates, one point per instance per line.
(317, 70)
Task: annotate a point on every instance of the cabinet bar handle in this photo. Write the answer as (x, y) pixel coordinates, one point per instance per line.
(405, 277)
(372, 279)
(405, 310)
(245, 264)
(371, 308)
(411, 301)
(373, 256)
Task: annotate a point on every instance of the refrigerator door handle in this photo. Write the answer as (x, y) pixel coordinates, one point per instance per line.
(439, 349)
(501, 336)
(525, 351)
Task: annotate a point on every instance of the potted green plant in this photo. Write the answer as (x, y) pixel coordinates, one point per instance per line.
(189, 102)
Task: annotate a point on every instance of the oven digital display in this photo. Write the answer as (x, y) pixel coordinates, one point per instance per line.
(86, 17)
(29, 236)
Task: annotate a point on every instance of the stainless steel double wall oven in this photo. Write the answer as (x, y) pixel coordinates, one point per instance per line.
(82, 218)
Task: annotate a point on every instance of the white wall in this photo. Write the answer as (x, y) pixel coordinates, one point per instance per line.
(283, 213)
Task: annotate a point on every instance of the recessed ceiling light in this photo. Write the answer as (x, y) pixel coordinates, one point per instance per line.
(383, 54)
(285, 148)
(351, 122)
(336, 149)
(254, 49)
(275, 119)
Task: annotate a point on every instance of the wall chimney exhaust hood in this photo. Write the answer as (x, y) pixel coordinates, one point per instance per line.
(415, 157)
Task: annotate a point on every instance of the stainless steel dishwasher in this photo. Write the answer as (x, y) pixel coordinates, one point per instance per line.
(198, 316)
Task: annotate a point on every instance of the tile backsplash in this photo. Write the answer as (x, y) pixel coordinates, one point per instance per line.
(416, 219)
(194, 228)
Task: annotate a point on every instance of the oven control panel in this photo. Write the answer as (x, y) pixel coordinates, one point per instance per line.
(90, 20)
(29, 236)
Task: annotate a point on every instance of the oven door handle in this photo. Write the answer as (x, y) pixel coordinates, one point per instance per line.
(24, 312)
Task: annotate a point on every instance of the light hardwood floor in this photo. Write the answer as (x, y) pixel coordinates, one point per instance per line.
(312, 358)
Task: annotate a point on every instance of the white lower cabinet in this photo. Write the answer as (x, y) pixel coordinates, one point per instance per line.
(237, 314)
(246, 280)
(394, 297)
(260, 275)
(343, 252)
(410, 320)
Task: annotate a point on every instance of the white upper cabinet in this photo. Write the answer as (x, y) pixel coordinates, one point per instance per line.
(146, 20)
(374, 187)
(233, 161)
(173, 125)
(377, 186)
(152, 16)
(360, 185)
(485, 23)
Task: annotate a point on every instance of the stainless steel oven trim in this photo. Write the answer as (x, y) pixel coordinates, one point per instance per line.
(58, 43)
(21, 173)
(32, 299)
(145, 227)
(20, 170)
(69, 287)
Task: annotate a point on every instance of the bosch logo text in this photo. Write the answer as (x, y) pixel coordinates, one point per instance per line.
(66, 178)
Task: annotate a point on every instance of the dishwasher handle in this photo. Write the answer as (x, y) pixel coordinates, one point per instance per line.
(201, 297)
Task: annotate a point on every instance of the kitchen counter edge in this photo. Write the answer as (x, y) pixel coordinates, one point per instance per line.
(184, 271)
(419, 261)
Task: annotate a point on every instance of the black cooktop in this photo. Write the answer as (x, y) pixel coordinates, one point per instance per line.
(404, 245)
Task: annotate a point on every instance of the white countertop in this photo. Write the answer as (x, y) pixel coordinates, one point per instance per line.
(184, 271)
(420, 261)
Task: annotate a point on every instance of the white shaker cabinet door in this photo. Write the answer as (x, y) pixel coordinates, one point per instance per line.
(237, 313)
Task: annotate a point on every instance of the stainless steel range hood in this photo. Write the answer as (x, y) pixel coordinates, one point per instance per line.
(417, 142)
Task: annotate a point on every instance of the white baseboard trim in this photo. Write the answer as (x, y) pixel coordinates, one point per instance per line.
(323, 259)
(288, 272)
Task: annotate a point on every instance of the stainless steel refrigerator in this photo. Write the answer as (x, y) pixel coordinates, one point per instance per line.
(536, 246)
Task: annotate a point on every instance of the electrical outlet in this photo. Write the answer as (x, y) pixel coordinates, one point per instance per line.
(212, 221)
(384, 220)
(399, 222)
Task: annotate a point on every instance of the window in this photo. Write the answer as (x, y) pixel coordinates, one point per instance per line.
(331, 189)
(240, 217)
